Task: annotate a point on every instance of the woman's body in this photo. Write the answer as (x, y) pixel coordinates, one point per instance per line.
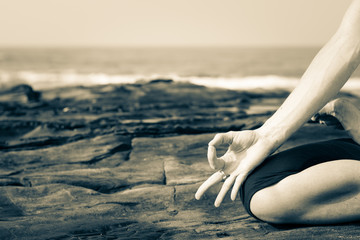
(328, 192)
(324, 193)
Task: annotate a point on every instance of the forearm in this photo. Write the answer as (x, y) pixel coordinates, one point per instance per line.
(325, 76)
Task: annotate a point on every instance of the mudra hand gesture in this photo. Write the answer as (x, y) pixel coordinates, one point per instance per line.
(247, 149)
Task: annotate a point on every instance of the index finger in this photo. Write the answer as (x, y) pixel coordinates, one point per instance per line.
(219, 139)
(222, 138)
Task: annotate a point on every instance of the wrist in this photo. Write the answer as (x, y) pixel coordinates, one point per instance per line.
(275, 136)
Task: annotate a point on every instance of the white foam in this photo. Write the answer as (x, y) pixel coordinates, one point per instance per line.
(266, 83)
(43, 80)
(47, 80)
(248, 83)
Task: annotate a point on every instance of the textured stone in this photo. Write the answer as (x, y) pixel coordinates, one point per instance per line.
(124, 162)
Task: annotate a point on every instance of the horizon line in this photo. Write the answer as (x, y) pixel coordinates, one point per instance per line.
(44, 46)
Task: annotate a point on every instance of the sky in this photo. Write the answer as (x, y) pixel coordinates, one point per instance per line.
(143, 23)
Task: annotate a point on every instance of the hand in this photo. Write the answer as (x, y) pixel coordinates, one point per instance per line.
(342, 114)
(247, 149)
(330, 113)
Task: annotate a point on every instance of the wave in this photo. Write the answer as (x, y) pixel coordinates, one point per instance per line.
(49, 80)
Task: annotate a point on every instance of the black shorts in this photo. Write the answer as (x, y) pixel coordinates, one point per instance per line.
(278, 166)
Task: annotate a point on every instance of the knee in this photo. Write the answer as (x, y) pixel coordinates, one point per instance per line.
(339, 105)
(269, 207)
(267, 211)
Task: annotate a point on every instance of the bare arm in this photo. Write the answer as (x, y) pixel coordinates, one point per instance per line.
(323, 79)
(325, 76)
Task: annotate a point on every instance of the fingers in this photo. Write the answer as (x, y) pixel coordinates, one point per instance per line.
(216, 178)
(224, 189)
(315, 117)
(212, 180)
(222, 138)
(239, 180)
(219, 139)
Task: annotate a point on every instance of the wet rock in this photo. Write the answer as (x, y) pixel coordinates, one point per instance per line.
(161, 81)
(21, 93)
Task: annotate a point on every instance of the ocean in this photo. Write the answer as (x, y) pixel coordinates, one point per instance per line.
(231, 68)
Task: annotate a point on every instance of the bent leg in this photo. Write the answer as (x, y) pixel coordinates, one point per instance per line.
(322, 194)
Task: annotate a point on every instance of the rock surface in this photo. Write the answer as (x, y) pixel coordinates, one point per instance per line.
(96, 166)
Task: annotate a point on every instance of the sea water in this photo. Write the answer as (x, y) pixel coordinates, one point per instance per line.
(223, 67)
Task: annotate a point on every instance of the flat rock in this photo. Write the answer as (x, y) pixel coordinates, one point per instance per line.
(185, 167)
(149, 195)
(85, 151)
(124, 162)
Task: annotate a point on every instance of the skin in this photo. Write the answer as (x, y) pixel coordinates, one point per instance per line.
(333, 197)
(347, 114)
(323, 79)
(322, 194)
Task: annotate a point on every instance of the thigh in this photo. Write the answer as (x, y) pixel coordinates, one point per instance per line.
(296, 195)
